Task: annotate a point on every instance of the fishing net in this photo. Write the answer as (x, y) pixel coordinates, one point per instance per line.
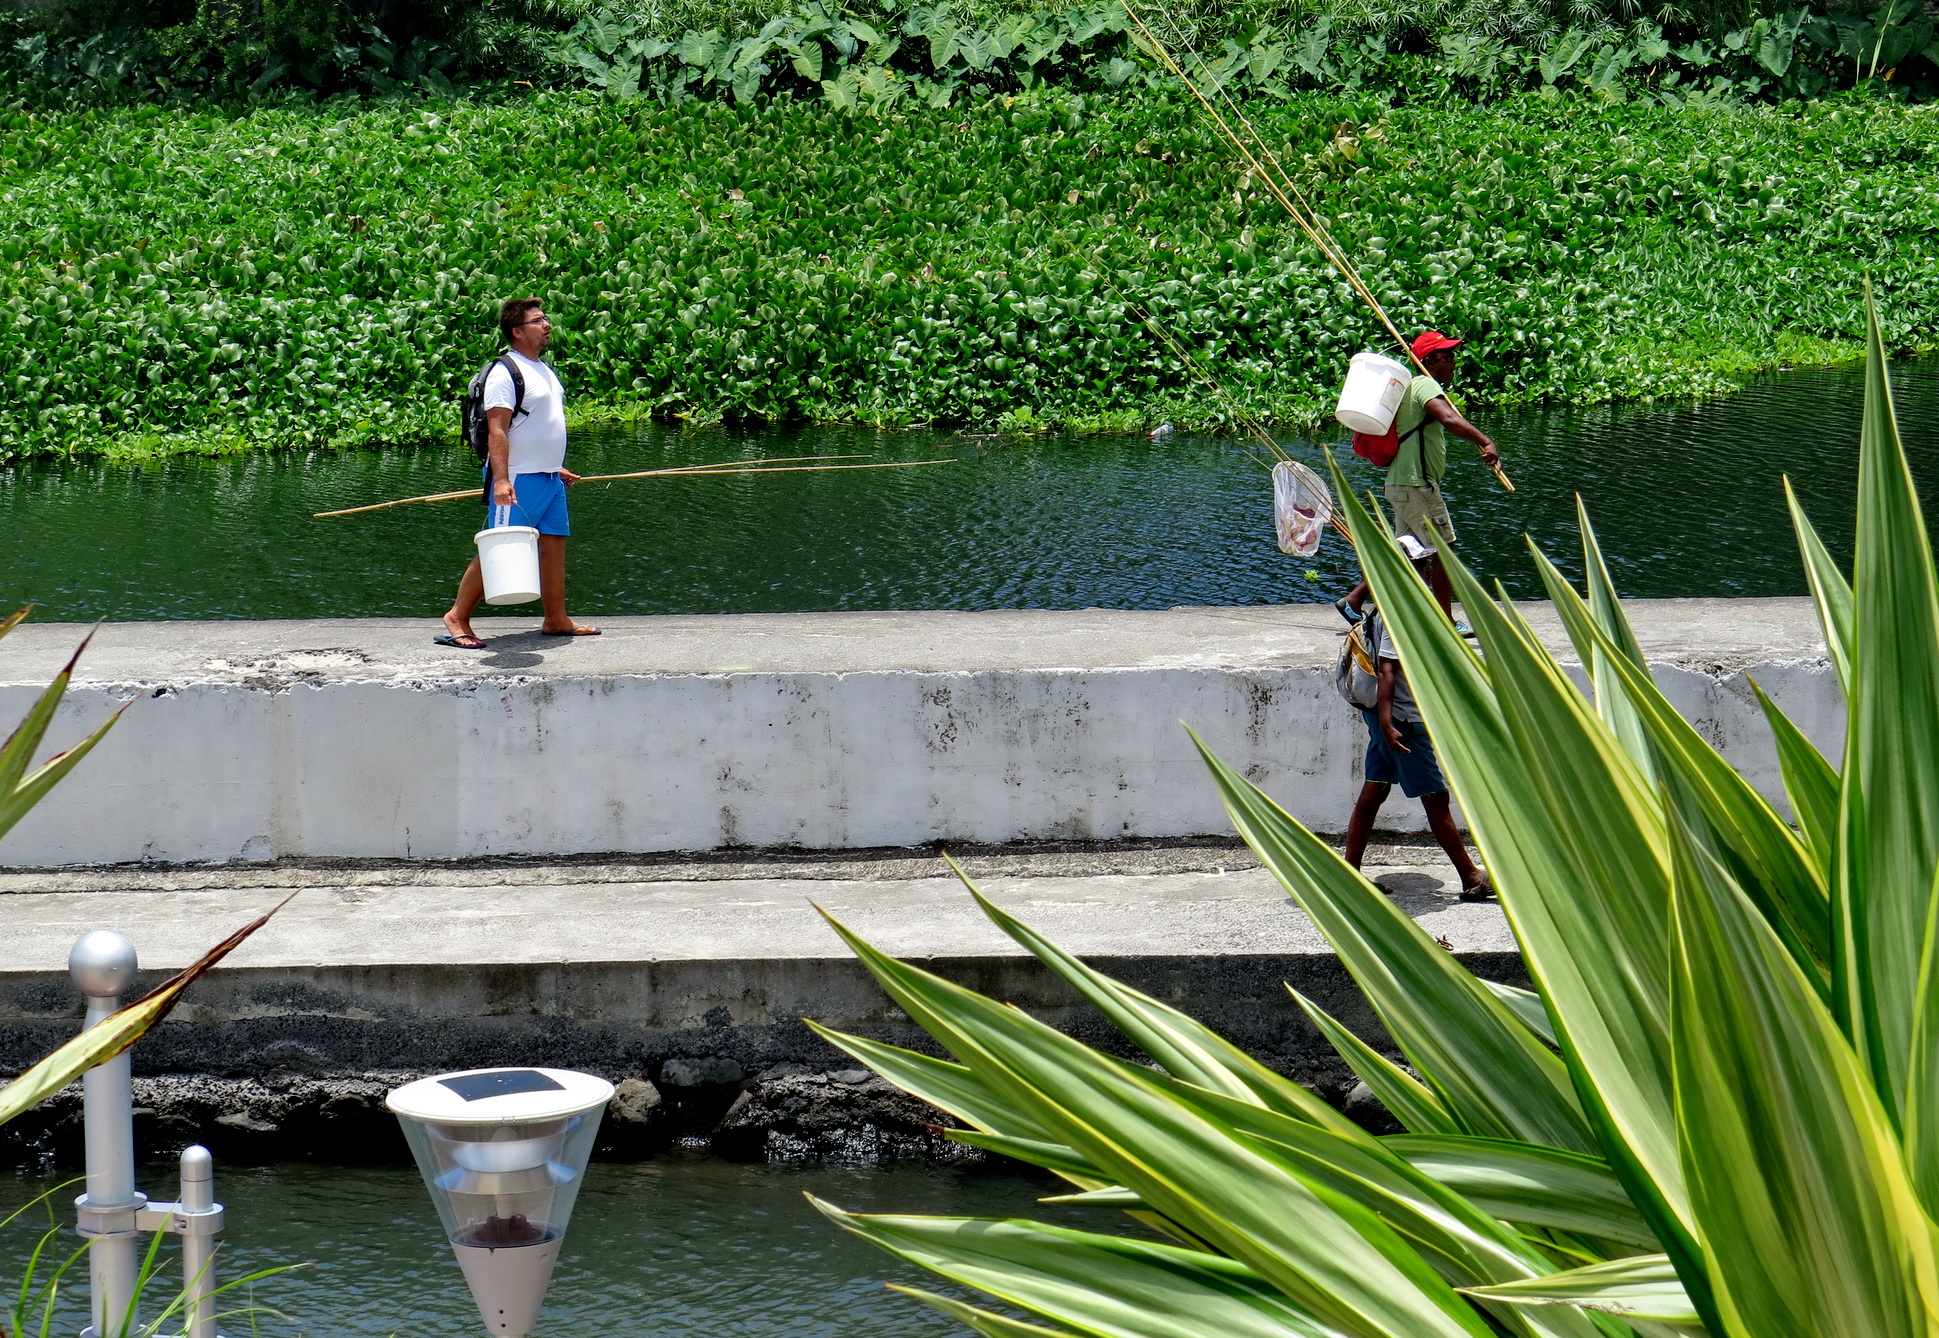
(1301, 507)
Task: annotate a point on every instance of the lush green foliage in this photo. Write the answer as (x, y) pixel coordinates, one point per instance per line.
(202, 281)
(718, 47)
(1716, 1113)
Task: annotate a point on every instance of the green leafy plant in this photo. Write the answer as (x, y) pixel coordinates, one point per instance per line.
(327, 275)
(22, 785)
(1713, 1114)
(31, 1305)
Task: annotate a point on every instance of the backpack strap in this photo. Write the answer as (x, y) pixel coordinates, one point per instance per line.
(518, 385)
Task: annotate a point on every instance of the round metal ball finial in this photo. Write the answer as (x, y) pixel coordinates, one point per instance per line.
(102, 963)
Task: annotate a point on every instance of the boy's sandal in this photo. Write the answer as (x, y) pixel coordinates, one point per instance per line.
(465, 642)
(1481, 891)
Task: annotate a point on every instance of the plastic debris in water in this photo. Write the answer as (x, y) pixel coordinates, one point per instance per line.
(1160, 432)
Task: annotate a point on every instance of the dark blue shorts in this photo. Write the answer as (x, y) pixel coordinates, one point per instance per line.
(541, 504)
(1417, 770)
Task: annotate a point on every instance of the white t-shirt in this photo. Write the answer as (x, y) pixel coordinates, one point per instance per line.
(537, 436)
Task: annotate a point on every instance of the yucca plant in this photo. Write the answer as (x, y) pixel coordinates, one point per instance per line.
(1718, 1112)
(22, 785)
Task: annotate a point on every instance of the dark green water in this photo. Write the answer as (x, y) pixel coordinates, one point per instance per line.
(1685, 497)
(679, 1246)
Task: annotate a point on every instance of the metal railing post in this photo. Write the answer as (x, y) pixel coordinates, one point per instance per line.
(102, 964)
(198, 1218)
(113, 1213)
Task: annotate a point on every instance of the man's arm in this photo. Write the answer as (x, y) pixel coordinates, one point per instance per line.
(1450, 418)
(1384, 677)
(498, 447)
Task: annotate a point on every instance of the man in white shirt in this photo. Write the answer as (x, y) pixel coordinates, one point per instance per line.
(525, 474)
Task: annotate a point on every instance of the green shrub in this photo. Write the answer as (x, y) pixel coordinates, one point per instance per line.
(307, 274)
(721, 48)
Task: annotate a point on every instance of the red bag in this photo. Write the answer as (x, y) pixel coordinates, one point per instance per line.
(1381, 450)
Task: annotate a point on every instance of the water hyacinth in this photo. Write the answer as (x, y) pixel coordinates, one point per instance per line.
(327, 274)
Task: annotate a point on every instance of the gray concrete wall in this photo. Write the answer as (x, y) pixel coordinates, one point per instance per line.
(256, 741)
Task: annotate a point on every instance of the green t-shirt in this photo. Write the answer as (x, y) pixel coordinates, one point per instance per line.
(1429, 448)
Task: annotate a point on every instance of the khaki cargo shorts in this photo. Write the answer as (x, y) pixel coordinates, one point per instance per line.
(1421, 512)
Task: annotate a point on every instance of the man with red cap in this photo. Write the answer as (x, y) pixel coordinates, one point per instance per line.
(1413, 488)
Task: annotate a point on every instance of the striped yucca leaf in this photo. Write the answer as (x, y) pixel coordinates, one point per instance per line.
(1888, 842)
(21, 788)
(1717, 1113)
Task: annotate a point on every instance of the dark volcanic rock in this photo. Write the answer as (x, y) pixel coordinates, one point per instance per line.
(792, 1113)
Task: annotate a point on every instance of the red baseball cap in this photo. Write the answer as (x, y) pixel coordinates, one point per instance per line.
(1433, 341)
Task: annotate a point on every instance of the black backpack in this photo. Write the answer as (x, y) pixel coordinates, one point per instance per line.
(471, 418)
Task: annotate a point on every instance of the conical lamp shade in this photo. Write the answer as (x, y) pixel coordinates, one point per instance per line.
(503, 1152)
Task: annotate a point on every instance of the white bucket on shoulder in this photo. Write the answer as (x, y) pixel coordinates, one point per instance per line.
(508, 558)
(1371, 397)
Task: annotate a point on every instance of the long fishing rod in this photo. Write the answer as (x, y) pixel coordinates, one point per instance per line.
(1307, 218)
(693, 471)
(1239, 411)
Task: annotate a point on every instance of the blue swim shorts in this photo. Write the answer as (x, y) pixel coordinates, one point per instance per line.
(1417, 769)
(541, 504)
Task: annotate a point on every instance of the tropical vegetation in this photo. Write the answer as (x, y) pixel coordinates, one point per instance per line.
(304, 273)
(1715, 1112)
(118, 49)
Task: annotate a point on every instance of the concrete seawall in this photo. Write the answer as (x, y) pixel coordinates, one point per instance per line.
(358, 738)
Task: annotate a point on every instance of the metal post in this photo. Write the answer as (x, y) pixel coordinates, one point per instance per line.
(102, 964)
(199, 1217)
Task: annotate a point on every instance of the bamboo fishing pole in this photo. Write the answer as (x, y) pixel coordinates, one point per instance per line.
(693, 471)
(1308, 219)
(1239, 411)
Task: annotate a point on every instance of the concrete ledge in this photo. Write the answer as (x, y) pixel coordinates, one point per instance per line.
(691, 991)
(258, 741)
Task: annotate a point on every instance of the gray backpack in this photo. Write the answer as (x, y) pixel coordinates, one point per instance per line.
(1355, 675)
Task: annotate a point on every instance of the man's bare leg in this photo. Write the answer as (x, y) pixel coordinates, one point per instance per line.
(552, 587)
(1360, 826)
(1440, 821)
(471, 593)
(1443, 588)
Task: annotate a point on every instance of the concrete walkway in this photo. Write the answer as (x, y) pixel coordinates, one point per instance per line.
(549, 913)
(390, 966)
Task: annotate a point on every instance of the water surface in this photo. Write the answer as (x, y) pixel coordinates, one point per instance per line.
(683, 1246)
(1685, 497)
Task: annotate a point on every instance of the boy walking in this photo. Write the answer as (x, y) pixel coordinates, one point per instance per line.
(1399, 750)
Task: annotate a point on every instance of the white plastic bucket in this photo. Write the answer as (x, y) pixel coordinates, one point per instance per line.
(508, 557)
(1373, 392)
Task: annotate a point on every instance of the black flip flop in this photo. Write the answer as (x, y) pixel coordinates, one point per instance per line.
(458, 642)
(577, 631)
(1481, 891)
